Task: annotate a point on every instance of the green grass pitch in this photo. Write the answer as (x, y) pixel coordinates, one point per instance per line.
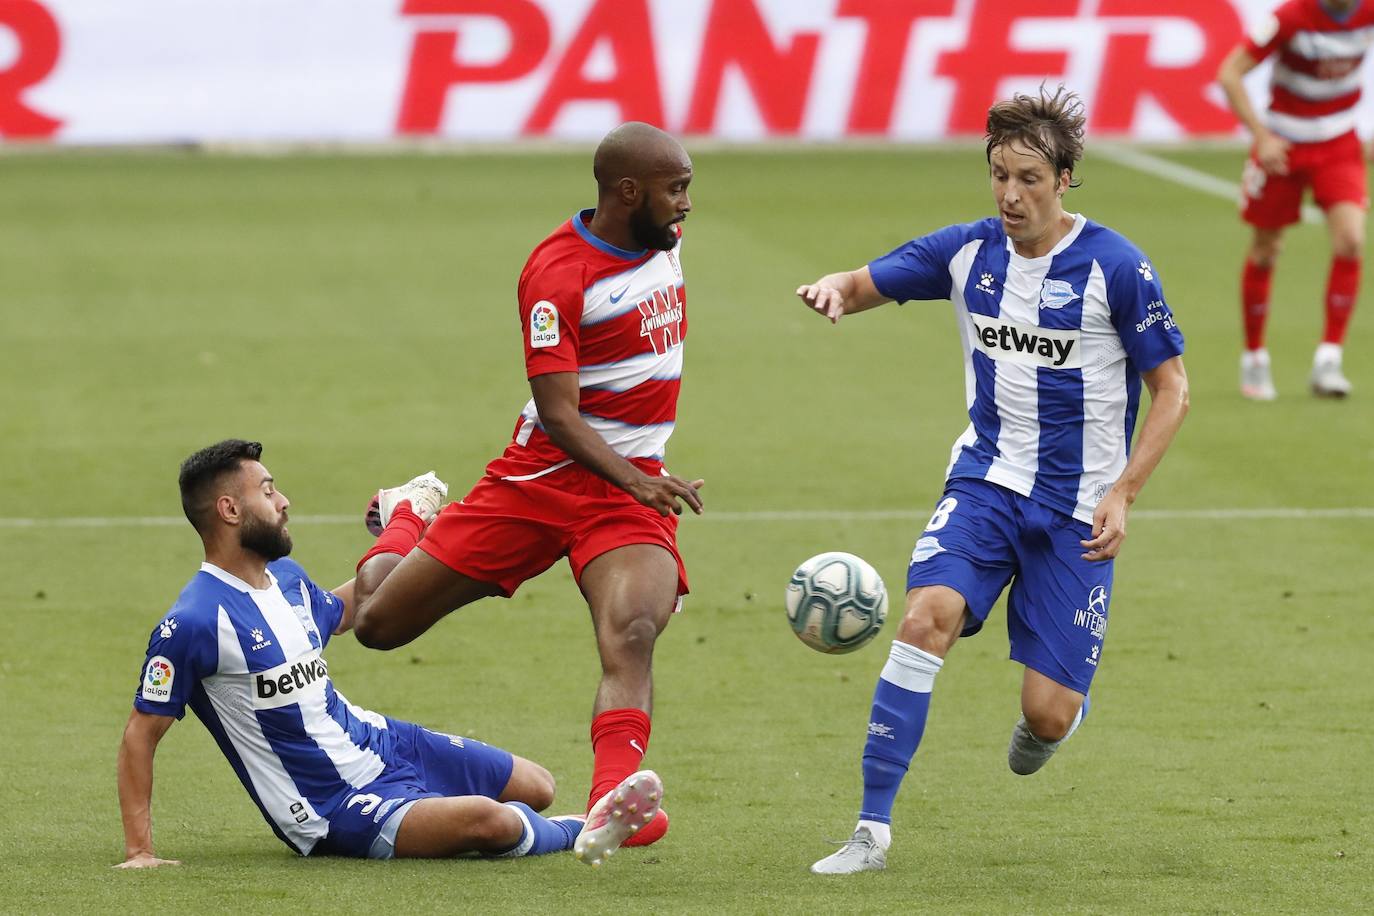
(357, 315)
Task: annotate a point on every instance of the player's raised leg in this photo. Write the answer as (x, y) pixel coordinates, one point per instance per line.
(401, 591)
(1345, 221)
(631, 591)
(402, 597)
(1256, 378)
(901, 702)
(1050, 714)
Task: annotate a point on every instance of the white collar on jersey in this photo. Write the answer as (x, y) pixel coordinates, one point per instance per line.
(1079, 221)
(234, 581)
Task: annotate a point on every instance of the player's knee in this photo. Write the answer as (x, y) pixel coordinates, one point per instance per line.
(540, 787)
(1348, 245)
(370, 629)
(489, 825)
(1050, 724)
(932, 621)
(1265, 252)
(636, 637)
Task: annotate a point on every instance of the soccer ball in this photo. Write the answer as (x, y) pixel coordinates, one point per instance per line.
(836, 602)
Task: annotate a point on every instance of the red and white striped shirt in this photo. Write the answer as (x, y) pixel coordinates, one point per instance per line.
(618, 319)
(1315, 84)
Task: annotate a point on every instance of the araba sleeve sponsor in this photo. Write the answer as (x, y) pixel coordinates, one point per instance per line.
(289, 682)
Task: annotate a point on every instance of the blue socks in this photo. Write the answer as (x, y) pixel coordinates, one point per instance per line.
(900, 704)
(542, 835)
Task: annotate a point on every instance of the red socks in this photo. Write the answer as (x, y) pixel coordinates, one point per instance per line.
(619, 739)
(402, 533)
(1254, 302)
(1342, 286)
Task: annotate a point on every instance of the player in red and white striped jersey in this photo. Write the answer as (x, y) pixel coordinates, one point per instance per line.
(603, 314)
(1307, 139)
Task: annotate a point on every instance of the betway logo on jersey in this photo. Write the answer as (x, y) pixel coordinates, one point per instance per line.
(289, 681)
(1026, 344)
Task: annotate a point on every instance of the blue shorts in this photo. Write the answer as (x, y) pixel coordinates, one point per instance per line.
(421, 764)
(983, 536)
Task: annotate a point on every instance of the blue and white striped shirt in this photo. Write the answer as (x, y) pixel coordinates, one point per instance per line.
(247, 661)
(1053, 351)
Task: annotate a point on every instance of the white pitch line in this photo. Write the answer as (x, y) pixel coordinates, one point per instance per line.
(757, 515)
(1150, 164)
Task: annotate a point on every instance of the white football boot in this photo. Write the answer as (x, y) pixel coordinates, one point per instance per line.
(618, 816)
(1256, 382)
(426, 494)
(861, 852)
(1327, 379)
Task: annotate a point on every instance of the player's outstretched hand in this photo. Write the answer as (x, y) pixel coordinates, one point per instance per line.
(826, 299)
(662, 494)
(1109, 528)
(146, 860)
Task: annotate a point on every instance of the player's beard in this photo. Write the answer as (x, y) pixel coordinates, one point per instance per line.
(271, 542)
(649, 235)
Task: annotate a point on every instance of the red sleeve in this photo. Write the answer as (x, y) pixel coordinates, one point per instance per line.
(1273, 31)
(550, 314)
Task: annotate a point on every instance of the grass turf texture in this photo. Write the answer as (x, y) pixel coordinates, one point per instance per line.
(357, 315)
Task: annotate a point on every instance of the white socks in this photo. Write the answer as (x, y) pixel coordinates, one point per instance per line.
(882, 833)
(911, 668)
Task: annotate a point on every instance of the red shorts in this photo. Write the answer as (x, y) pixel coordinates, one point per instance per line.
(507, 531)
(1334, 169)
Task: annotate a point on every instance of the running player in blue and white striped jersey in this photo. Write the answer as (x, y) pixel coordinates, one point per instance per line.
(1060, 320)
(242, 647)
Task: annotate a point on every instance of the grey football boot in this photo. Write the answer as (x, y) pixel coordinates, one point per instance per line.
(860, 852)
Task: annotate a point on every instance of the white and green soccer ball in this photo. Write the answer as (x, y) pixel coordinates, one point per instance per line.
(836, 602)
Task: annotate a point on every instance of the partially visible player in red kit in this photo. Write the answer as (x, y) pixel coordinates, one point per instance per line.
(603, 311)
(1307, 139)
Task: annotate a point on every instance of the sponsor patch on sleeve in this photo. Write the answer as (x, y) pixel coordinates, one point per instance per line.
(544, 324)
(157, 679)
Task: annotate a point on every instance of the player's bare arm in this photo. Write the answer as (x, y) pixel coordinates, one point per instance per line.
(844, 293)
(1270, 149)
(1168, 384)
(345, 595)
(556, 396)
(141, 736)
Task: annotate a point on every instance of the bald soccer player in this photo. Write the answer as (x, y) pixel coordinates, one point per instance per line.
(603, 311)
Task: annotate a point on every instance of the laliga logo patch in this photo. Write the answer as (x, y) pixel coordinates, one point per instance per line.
(157, 679)
(544, 325)
(1055, 294)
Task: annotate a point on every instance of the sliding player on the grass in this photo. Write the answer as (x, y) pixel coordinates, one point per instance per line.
(1060, 320)
(1306, 140)
(242, 647)
(602, 305)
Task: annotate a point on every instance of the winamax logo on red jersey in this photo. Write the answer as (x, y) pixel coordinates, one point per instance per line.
(661, 319)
